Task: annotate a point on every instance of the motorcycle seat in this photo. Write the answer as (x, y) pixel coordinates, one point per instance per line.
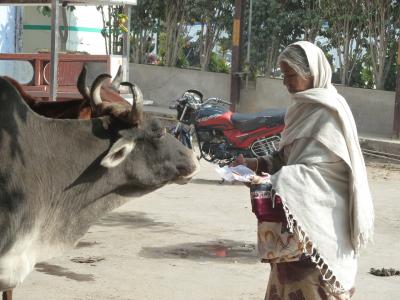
(251, 121)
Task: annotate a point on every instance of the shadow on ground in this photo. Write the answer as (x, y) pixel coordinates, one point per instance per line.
(62, 272)
(220, 250)
(131, 220)
(83, 244)
(217, 182)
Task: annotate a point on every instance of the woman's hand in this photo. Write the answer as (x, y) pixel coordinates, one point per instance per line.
(251, 163)
(265, 178)
(240, 160)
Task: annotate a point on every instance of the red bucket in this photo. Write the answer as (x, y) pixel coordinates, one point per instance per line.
(265, 204)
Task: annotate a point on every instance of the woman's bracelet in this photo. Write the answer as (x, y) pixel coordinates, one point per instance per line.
(256, 170)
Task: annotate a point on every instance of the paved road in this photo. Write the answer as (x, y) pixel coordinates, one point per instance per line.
(197, 242)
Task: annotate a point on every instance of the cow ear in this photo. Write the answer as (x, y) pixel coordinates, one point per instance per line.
(118, 152)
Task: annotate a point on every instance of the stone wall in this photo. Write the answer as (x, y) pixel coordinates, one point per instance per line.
(373, 110)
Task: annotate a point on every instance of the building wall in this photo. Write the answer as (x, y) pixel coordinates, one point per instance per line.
(85, 25)
(165, 84)
(373, 110)
(7, 36)
(10, 42)
(7, 29)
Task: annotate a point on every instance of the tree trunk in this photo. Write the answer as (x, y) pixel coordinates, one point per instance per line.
(271, 57)
(104, 26)
(345, 62)
(311, 34)
(175, 17)
(109, 31)
(313, 26)
(208, 45)
(383, 17)
(202, 41)
(346, 26)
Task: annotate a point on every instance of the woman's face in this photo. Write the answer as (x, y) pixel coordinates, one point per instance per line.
(293, 81)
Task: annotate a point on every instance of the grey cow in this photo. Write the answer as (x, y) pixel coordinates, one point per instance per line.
(57, 177)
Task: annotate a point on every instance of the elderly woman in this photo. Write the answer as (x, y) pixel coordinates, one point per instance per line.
(322, 212)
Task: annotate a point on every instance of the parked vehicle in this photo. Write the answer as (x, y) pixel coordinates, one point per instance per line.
(221, 134)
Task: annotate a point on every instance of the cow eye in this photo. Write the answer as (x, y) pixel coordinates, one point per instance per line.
(159, 133)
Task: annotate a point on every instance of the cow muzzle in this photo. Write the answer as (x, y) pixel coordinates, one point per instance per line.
(188, 172)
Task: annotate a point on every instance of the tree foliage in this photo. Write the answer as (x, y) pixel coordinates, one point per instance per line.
(214, 17)
(277, 23)
(114, 26)
(175, 16)
(383, 31)
(63, 30)
(361, 34)
(358, 36)
(145, 23)
(345, 32)
(218, 64)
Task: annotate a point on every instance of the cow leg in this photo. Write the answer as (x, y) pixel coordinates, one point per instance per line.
(7, 295)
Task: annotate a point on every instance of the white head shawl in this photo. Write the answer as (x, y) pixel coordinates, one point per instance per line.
(361, 207)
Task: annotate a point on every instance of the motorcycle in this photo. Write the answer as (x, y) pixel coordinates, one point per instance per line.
(223, 135)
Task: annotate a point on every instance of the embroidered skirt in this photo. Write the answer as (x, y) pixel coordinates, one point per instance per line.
(300, 280)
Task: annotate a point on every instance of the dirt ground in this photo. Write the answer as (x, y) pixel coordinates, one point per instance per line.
(197, 241)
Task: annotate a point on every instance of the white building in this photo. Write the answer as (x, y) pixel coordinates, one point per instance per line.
(10, 24)
(84, 23)
(24, 29)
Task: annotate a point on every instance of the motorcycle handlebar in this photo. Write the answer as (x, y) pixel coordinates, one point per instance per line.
(212, 99)
(226, 102)
(216, 99)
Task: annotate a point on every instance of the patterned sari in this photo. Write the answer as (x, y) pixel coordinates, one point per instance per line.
(300, 281)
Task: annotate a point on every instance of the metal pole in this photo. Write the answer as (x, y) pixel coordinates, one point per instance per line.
(54, 49)
(126, 45)
(249, 42)
(396, 120)
(236, 51)
(18, 30)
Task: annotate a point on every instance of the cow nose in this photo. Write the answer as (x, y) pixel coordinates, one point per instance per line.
(194, 167)
(186, 172)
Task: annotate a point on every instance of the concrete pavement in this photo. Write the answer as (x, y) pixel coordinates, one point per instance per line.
(197, 242)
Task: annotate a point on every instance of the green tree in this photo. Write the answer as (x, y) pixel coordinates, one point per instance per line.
(275, 24)
(181, 58)
(218, 64)
(311, 18)
(215, 17)
(225, 44)
(175, 16)
(63, 30)
(114, 26)
(345, 31)
(145, 23)
(390, 82)
(383, 30)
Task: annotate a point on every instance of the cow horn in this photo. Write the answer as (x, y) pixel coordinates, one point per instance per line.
(117, 79)
(137, 102)
(95, 97)
(81, 83)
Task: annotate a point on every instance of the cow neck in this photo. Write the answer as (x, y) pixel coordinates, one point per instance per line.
(79, 152)
(61, 152)
(80, 144)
